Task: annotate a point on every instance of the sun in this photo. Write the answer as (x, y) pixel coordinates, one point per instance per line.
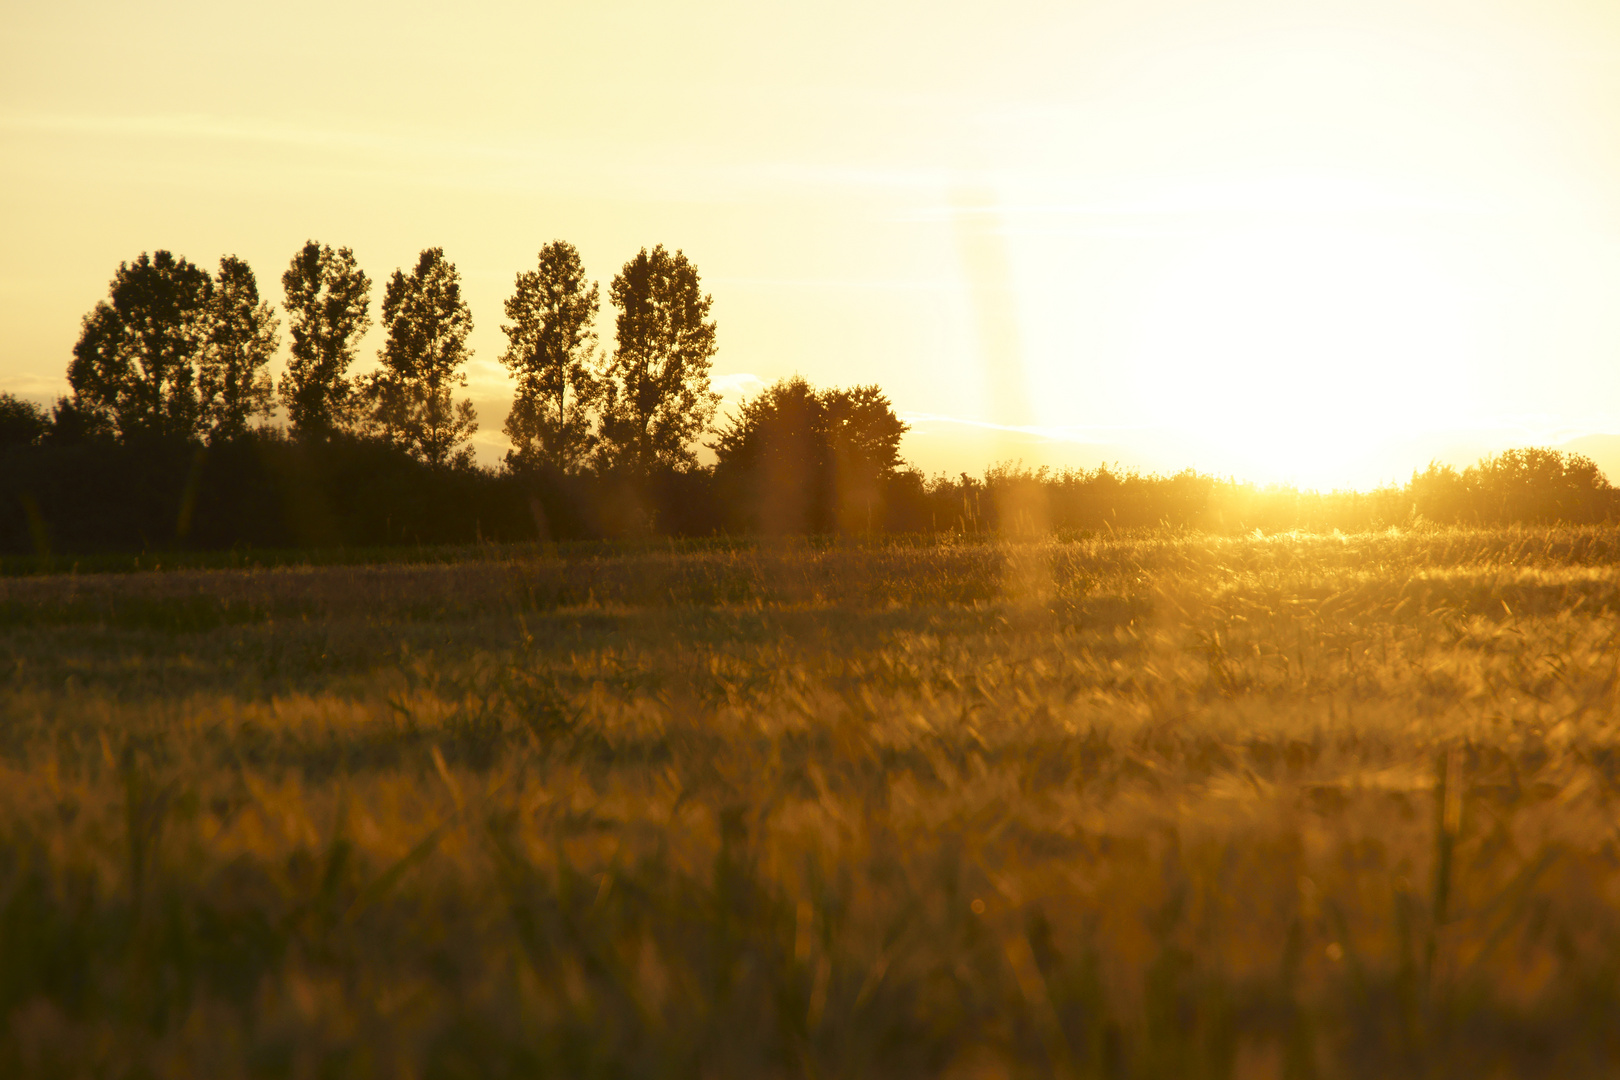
(1293, 348)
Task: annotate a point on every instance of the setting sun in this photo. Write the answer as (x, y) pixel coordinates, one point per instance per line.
(1295, 348)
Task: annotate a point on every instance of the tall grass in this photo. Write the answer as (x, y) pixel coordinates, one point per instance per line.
(1152, 806)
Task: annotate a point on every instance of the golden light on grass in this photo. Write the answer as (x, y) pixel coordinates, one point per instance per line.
(1329, 806)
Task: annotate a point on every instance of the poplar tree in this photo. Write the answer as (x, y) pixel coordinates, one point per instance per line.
(134, 368)
(232, 381)
(328, 305)
(411, 397)
(551, 349)
(658, 401)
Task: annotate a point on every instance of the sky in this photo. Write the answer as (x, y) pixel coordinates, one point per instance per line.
(1309, 242)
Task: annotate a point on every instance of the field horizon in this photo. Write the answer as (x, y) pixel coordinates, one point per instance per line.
(940, 445)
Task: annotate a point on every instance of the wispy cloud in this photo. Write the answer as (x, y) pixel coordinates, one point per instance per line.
(1042, 432)
(522, 162)
(1024, 200)
(929, 284)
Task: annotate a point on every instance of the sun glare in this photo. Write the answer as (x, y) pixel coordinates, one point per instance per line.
(1289, 351)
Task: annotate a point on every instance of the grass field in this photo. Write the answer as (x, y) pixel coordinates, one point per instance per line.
(1151, 806)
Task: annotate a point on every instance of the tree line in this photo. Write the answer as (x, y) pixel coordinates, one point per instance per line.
(165, 440)
(172, 392)
(177, 353)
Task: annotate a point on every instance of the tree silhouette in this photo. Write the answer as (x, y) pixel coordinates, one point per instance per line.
(134, 366)
(328, 300)
(232, 381)
(1538, 484)
(22, 423)
(412, 395)
(795, 459)
(74, 423)
(658, 400)
(550, 349)
(773, 466)
(863, 449)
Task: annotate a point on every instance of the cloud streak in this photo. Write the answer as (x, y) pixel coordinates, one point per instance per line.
(523, 162)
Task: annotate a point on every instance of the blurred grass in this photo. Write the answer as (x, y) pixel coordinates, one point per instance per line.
(252, 558)
(1149, 806)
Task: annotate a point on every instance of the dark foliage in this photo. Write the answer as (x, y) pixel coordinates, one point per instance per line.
(269, 490)
(658, 402)
(412, 396)
(22, 423)
(551, 350)
(68, 489)
(798, 460)
(233, 382)
(135, 365)
(72, 423)
(328, 310)
(261, 490)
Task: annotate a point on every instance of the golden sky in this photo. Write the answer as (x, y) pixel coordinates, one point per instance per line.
(1318, 242)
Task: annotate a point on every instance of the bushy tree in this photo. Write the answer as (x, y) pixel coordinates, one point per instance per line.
(863, 448)
(658, 401)
(328, 304)
(772, 466)
(22, 423)
(412, 396)
(1530, 485)
(73, 423)
(232, 381)
(1441, 493)
(795, 459)
(551, 350)
(134, 368)
(1540, 485)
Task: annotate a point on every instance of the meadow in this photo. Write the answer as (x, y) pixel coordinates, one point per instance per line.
(1146, 804)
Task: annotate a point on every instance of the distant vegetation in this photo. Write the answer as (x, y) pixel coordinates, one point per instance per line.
(269, 489)
(165, 441)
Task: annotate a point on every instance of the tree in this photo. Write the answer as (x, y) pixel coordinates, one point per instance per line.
(551, 349)
(411, 396)
(795, 459)
(232, 381)
(134, 367)
(773, 467)
(658, 400)
(328, 302)
(863, 450)
(1536, 484)
(22, 423)
(73, 423)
